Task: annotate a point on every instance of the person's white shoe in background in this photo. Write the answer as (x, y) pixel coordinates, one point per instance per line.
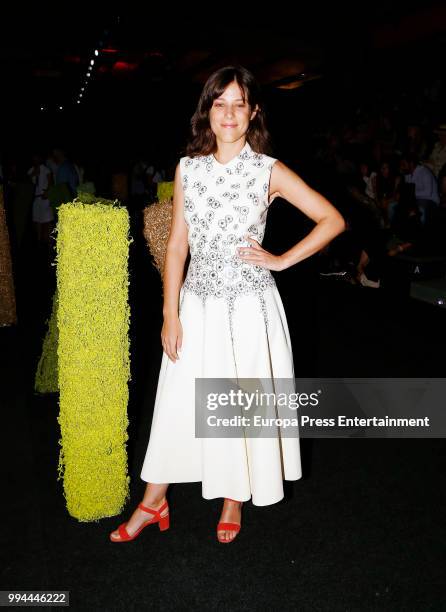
(366, 282)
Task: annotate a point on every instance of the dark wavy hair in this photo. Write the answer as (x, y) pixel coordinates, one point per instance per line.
(202, 140)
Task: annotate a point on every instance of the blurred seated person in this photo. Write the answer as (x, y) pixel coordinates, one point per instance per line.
(415, 142)
(387, 185)
(442, 186)
(369, 178)
(406, 223)
(366, 242)
(437, 158)
(426, 188)
(386, 136)
(364, 209)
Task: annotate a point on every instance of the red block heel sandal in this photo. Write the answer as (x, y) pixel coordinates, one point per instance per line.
(229, 526)
(163, 523)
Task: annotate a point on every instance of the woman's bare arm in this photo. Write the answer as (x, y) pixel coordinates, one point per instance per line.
(287, 184)
(176, 252)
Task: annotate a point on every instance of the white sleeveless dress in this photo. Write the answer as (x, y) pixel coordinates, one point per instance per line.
(234, 326)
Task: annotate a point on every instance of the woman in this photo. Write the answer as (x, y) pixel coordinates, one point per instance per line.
(227, 318)
(42, 212)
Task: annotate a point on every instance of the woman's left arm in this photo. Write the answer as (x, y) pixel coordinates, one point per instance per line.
(288, 185)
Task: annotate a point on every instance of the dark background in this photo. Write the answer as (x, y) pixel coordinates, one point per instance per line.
(153, 63)
(364, 529)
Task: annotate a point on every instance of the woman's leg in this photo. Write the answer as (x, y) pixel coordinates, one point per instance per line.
(37, 231)
(46, 229)
(154, 497)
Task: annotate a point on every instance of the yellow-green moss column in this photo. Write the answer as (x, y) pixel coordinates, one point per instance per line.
(165, 190)
(93, 357)
(46, 379)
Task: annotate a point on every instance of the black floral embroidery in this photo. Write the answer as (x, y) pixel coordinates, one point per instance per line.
(218, 225)
(188, 204)
(213, 203)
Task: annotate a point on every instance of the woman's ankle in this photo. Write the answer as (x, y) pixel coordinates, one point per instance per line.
(154, 502)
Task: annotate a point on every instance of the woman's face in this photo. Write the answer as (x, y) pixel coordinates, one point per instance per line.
(413, 132)
(385, 170)
(364, 169)
(230, 116)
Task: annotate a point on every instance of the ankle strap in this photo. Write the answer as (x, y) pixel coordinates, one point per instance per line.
(152, 510)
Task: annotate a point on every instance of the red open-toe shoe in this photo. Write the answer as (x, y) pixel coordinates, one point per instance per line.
(229, 526)
(163, 523)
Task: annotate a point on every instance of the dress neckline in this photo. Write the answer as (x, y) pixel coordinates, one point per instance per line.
(246, 147)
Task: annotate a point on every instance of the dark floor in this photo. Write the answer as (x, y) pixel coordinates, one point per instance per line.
(363, 530)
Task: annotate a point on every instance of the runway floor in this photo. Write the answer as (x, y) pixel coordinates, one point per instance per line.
(363, 530)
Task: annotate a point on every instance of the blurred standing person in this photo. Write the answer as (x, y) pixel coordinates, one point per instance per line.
(66, 171)
(138, 195)
(120, 182)
(416, 143)
(158, 177)
(51, 164)
(42, 212)
(153, 177)
(18, 193)
(80, 170)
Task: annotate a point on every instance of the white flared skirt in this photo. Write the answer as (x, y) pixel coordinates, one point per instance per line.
(240, 468)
